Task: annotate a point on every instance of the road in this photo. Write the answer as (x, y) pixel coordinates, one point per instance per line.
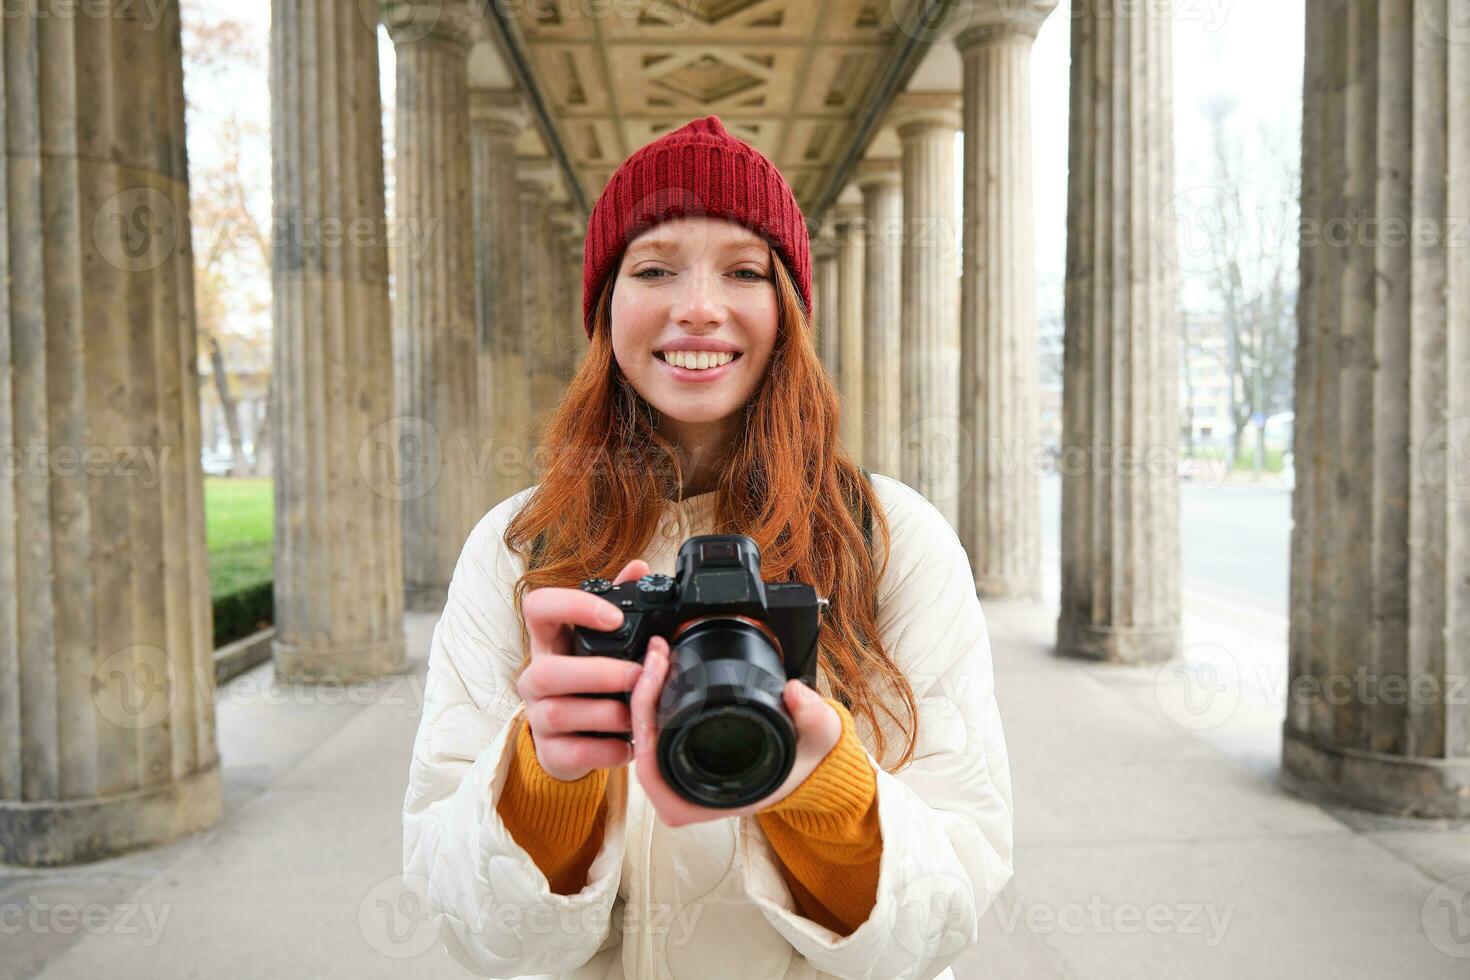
(1235, 540)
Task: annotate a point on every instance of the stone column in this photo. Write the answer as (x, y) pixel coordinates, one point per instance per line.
(339, 560)
(1380, 595)
(574, 244)
(1000, 502)
(929, 451)
(825, 300)
(107, 735)
(497, 117)
(882, 188)
(539, 303)
(1120, 413)
(850, 248)
(435, 344)
(567, 325)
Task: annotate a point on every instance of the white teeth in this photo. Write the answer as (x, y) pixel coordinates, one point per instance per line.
(698, 360)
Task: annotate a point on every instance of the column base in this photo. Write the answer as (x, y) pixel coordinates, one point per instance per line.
(343, 662)
(1376, 781)
(1007, 587)
(51, 833)
(1117, 644)
(420, 597)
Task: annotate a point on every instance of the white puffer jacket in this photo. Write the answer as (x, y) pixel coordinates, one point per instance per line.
(708, 901)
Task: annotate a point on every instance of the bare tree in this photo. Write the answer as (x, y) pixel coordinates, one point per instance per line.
(1253, 279)
(227, 234)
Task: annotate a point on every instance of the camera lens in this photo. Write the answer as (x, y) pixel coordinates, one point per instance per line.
(728, 744)
(726, 739)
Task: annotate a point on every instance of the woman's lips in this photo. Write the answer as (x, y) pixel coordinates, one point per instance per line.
(698, 374)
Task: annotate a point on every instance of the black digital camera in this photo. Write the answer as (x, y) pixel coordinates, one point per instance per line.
(725, 737)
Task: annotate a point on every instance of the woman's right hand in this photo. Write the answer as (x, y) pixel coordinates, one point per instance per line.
(554, 677)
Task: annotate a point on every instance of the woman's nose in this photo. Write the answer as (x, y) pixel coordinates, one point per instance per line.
(699, 301)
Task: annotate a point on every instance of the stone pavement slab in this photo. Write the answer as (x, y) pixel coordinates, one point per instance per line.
(1151, 841)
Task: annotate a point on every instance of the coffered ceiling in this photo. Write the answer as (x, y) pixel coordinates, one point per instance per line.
(791, 77)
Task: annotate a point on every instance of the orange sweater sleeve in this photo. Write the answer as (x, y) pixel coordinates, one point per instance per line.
(825, 832)
(559, 824)
(827, 837)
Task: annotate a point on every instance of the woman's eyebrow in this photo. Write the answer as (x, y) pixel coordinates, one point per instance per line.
(660, 245)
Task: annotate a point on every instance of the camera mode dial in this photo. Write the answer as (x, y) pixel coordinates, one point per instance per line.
(656, 587)
(596, 586)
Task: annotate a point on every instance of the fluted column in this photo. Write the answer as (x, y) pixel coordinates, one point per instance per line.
(339, 560)
(573, 266)
(107, 733)
(929, 452)
(826, 309)
(539, 300)
(1120, 417)
(497, 117)
(1379, 638)
(1000, 503)
(850, 248)
(434, 310)
(566, 293)
(882, 188)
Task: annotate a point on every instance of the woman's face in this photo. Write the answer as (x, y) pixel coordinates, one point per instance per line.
(692, 291)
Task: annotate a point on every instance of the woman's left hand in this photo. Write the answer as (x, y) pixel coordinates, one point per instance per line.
(818, 728)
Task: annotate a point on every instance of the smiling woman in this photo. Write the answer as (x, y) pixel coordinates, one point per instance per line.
(701, 408)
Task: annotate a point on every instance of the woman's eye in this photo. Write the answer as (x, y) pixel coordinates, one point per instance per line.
(644, 273)
(753, 275)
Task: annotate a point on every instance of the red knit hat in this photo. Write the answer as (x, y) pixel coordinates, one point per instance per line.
(696, 170)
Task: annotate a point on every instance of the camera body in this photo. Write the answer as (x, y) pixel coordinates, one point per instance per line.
(725, 737)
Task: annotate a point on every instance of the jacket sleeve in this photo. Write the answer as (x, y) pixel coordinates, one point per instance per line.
(497, 912)
(946, 818)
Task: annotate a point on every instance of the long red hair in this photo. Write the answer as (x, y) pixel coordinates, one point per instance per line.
(786, 481)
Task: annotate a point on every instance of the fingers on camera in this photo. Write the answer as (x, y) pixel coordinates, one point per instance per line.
(567, 715)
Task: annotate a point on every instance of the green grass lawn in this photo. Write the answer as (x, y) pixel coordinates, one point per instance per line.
(239, 520)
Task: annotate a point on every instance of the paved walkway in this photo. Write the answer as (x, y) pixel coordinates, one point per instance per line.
(1153, 839)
